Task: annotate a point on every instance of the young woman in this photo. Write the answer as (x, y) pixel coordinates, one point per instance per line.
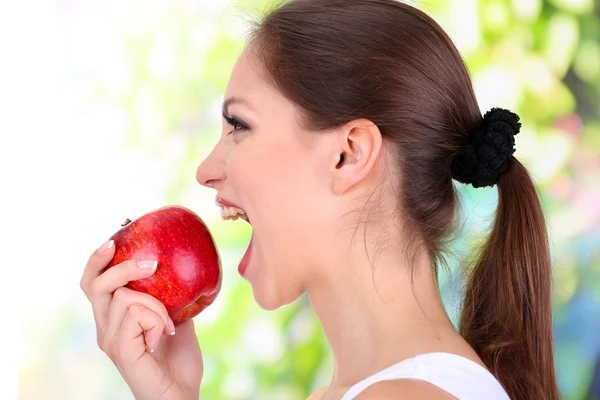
(345, 123)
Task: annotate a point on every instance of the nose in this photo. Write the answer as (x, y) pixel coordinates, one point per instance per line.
(212, 172)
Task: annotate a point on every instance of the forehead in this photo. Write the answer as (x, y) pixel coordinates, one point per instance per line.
(247, 82)
(244, 76)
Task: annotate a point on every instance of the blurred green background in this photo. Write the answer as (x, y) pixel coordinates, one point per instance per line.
(132, 93)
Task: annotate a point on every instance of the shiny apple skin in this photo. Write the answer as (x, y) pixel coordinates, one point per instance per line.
(188, 275)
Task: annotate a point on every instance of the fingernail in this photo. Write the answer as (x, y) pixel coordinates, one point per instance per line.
(171, 327)
(106, 246)
(147, 264)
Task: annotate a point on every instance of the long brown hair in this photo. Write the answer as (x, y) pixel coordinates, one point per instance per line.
(388, 62)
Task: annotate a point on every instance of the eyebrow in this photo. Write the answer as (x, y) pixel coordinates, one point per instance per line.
(233, 100)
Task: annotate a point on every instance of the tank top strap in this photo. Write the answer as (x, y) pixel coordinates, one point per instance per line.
(457, 375)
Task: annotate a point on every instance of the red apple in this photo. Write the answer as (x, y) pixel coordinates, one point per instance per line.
(188, 275)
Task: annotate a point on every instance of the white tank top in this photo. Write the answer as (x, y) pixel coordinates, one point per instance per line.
(457, 375)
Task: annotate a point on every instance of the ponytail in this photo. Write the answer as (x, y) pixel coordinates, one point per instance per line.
(506, 315)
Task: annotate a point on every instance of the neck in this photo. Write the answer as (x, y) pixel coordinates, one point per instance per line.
(373, 315)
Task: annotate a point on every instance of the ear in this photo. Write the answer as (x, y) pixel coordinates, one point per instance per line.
(359, 146)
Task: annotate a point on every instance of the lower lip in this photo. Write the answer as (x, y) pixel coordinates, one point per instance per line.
(246, 259)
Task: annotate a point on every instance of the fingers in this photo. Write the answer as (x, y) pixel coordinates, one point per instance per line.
(96, 263)
(103, 286)
(123, 298)
(141, 329)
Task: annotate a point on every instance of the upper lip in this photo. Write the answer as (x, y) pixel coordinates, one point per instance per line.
(223, 202)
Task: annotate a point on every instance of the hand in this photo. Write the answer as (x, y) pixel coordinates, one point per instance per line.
(130, 325)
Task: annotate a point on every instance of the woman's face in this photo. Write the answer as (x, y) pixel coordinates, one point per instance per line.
(278, 174)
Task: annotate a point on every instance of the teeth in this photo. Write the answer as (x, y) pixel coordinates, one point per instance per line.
(232, 213)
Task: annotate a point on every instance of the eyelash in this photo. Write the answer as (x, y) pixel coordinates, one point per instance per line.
(235, 122)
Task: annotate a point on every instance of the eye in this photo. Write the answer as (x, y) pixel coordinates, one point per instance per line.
(236, 124)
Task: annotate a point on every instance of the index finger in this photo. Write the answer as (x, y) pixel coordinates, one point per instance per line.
(99, 259)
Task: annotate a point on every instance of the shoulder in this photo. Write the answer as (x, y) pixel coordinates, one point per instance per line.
(408, 389)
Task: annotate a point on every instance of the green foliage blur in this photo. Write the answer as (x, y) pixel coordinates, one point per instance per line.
(540, 58)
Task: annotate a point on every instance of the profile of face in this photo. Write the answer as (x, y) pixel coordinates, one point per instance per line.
(292, 184)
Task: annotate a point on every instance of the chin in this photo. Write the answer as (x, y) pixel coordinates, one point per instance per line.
(265, 301)
(271, 298)
(267, 304)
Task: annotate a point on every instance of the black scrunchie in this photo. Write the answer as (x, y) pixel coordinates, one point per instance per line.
(485, 156)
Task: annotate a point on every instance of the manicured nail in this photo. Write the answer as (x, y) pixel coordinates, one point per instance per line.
(147, 264)
(106, 246)
(171, 327)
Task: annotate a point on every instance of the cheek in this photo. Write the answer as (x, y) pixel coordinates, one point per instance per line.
(277, 185)
(273, 180)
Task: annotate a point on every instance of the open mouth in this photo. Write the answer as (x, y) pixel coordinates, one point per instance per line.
(231, 212)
